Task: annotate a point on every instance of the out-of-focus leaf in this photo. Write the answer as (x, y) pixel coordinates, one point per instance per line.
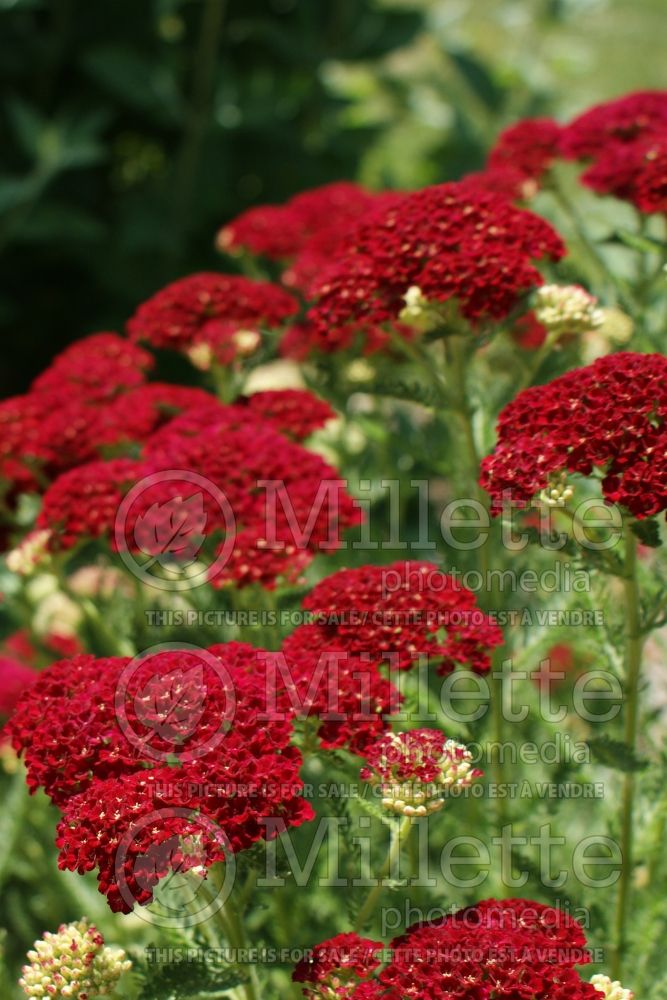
(645, 244)
(615, 754)
(136, 81)
(28, 125)
(50, 221)
(648, 532)
(478, 78)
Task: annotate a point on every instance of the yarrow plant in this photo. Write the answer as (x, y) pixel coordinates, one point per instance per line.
(333, 633)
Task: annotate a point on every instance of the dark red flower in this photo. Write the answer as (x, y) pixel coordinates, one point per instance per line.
(96, 367)
(609, 416)
(529, 147)
(370, 618)
(497, 948)
(337, 965)
(294, 412)
(453, 242)
(617, 122)
(308, 230)
(15, 678)
(144, 754)
(402, 611)
(209, 309)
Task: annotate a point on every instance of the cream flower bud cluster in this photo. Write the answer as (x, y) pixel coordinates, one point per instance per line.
(611, 990)
(563, 309)
(72, 963)
(419, 798)
(557, 492)
(29, 553)
(418, 311)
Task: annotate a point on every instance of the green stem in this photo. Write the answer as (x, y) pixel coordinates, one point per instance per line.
(633, 657)
(399, 836)
(231, 923)
(473, 459)
(610, 279)
(204, 66)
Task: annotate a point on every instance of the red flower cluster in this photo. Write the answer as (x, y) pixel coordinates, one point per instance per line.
(610, 416)
(127, 810)
(308, 230)
(413, 756)
(626, 142)
(212, 310)
(508, 948)
(372, 617)
(95, 368)
(21, 646)
(294, 412)
(15, 678)
(302, 509)
(401, 612)
(527, 149)
(345, 692)
(452, 241)
(45, 432)
(338, 964)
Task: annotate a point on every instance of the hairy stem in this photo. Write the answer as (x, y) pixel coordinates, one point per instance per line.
(399, 836)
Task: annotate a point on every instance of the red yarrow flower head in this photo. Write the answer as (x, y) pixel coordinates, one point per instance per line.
(97, 367)
(609, 417)
(508, 948)
(455, 242)
(333, 968)
(15, 679)
(296, 413)
(307, 232)
(529, 147)
(210, 309)
(401, 612)
(621, 121)
(271, 507)
(626, 143)
(44, 434)
(414, 770)
(167, 762)
(370, 618)
(345, 691)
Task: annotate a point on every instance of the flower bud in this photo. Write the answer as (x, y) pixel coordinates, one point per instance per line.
(611, 990)
(29, 553)
(567, 309)
(72, 963)
(413, 770)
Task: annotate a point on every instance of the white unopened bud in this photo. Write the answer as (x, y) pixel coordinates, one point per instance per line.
(611, 990)
(567, 309)
(201, 356)
(74, 962)
(418, 311)
(32, 551)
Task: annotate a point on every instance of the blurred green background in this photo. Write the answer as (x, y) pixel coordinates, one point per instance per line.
(131, 129)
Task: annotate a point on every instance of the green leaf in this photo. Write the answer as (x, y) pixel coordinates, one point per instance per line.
(178, 977)
(136, 82)
(66, 223)
(28, 125)
(478, 77)
(647, 531)
(616, 754)
(645, 244)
